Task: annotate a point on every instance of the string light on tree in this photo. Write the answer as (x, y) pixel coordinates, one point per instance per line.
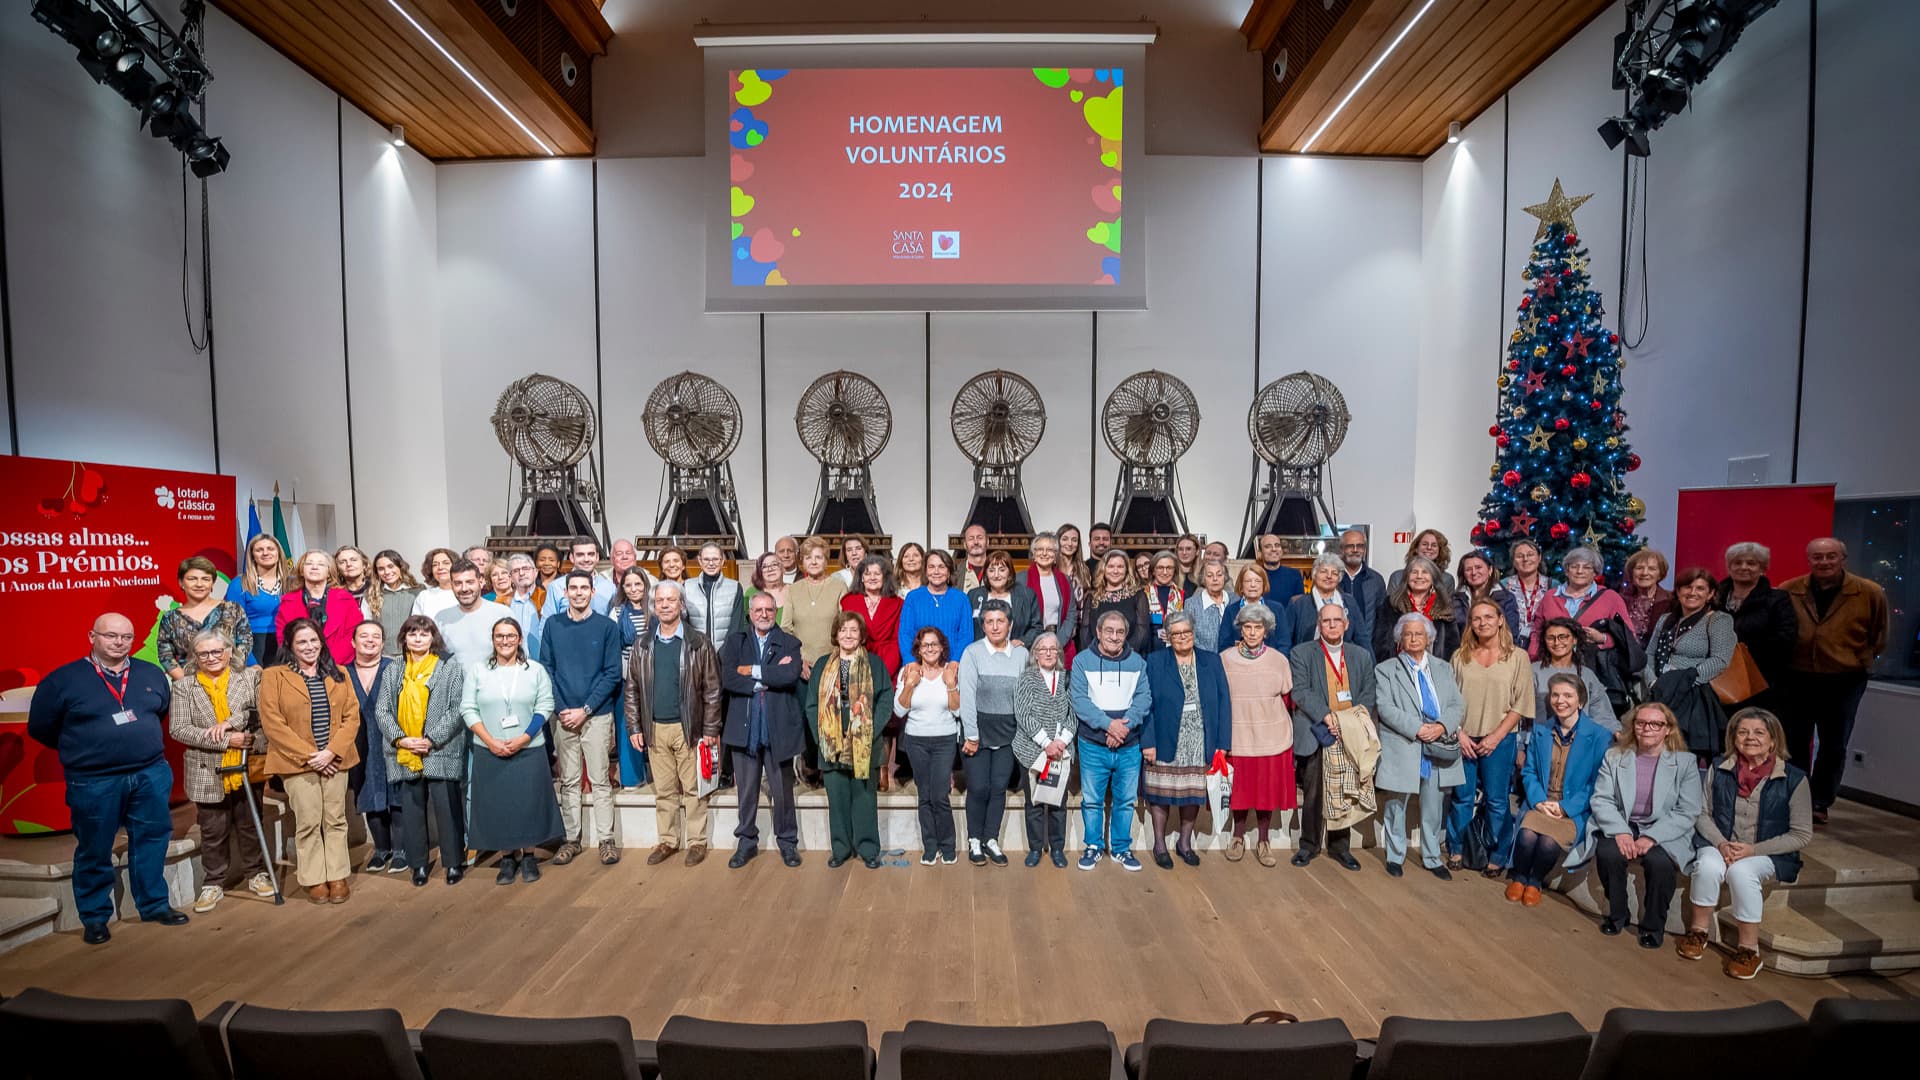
(1561, 453)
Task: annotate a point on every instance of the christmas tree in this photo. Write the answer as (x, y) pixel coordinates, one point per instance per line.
(1559, 473)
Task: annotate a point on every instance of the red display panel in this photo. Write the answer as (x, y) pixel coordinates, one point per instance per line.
(1783, 517)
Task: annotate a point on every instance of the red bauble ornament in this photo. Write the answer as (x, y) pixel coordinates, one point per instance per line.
(1562, 424)
(1573, 238)
(1503, 441)
(1492, 525)
(1560, 531)
(1594, 405)
(1553, 320)
(1569, 371)
(1479, 532)
(1613, 339)
(1526, 301)
(1494, 431)
(1580, 480)
(1627, 525)
(1633, 462)
(1511, 478)
(1513, 365)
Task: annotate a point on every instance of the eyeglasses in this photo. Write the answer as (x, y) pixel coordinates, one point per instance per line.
(1649, 725)
(210, 654)
(103, 636)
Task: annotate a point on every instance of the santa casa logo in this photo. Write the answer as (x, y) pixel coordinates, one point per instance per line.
(164, 496)
(946, 243)
(909, 244)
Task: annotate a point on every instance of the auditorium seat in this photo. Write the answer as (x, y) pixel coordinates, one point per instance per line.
(48, 1036)
(1175, 1050)
(1858, 1038)
(1551, 1047)
(308, 1044)
(1757, 1042)
(695, 1049)
(930, 1051)
(479, 1046)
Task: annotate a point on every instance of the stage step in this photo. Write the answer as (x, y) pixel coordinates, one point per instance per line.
(1827, 939)
(26, 918)
(53, 880)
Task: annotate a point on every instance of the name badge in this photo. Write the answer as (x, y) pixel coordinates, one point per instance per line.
(1343, 696)
(509, 721)
(124, 717)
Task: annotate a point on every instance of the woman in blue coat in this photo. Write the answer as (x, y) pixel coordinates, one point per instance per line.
(1191, 722)
(1563, 763)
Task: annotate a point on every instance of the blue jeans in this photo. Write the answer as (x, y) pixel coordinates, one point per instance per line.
(100, 805)
(1103, 772)
(1493, 776)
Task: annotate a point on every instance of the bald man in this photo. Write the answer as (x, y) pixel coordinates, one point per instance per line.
(105, 714)
(1843, 628)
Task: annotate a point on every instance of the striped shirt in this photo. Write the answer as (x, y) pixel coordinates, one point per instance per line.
(319, 709)
(988, 680)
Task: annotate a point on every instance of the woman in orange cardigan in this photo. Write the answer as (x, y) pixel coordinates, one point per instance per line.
(310, 715)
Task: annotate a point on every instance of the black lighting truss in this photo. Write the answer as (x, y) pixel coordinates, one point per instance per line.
(1672, 46)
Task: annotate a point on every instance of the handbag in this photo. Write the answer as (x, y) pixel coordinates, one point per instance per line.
(1476, 845)
(1741, 680)
(1050, 780)
(709, 781)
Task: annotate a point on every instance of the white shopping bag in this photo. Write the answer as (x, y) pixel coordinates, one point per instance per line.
(709, 771)
(1220, 793)
(1050, 780)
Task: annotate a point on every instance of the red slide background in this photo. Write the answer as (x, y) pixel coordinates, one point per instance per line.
(1783, 517)
(1021, 222)
(153, 518)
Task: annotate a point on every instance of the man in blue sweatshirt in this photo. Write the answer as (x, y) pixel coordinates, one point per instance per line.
(106, 717)
(580, 649)
(1111, 701)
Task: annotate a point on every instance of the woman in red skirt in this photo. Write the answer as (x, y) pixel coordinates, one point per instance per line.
(1260, 682)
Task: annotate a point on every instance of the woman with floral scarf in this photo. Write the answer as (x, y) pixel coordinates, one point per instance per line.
(848, 700)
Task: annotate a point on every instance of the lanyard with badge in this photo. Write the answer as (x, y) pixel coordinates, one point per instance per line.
(125, 715)
(510, 719)
(1341, 693)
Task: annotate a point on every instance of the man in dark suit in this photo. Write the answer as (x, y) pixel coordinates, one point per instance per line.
(1365, 589)
(1330, 674)
(760, 675)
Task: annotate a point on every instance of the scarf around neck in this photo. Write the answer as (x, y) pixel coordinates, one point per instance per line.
(849, 740)
(413, 708)
(216, 688)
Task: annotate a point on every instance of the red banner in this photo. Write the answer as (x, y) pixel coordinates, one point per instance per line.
(1784, 517)
(79, 539)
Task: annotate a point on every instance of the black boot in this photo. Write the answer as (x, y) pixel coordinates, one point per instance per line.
(508, 870)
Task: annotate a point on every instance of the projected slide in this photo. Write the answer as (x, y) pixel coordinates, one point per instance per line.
(925, 176)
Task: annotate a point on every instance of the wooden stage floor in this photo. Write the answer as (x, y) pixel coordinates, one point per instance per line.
(953, 943)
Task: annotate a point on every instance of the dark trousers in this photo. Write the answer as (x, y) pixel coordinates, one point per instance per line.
(931, 758)
(218, 823)
(1534, 857)
(988, 771)
(380, 831)
(1311, 786)
(853, 813)
(1046, 825)
(1825, 704)
(449, 813)
(748, 771)
(1661, 873)
(100, 805)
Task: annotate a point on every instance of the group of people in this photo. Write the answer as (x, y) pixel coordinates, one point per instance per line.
(445, 710)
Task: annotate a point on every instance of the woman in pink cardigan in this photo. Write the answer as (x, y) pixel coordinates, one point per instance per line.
(1581, 599)
(321, 599)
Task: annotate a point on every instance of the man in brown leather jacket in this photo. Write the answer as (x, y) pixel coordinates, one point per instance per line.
(673, 712)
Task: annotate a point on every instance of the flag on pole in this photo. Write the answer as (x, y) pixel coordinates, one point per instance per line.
(253, 518)
(280, 524)
(296, 532)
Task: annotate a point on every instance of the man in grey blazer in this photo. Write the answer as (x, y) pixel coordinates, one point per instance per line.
(1329, 673)
(1419, 714)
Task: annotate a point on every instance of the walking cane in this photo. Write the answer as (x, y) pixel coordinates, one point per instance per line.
(259, 833)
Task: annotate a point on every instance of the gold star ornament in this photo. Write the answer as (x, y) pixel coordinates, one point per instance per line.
(1538, 438)
(1557, 210)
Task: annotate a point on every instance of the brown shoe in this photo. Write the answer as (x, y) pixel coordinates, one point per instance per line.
(609, 853)
(319, 894)
(1745, 963)
(1237, 850)
(337, 891)
(1515, 891)
(696, 854)
(1263, 852)
(661, 853)
(566, 853)
(1530, 897)
(1691, 945)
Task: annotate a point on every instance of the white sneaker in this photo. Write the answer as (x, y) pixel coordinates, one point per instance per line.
(210, 895)
(260, 885)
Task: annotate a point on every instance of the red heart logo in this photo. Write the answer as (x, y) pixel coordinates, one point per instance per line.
(946, 242)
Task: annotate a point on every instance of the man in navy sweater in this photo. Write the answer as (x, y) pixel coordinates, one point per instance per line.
(580, 649)
(106, 717)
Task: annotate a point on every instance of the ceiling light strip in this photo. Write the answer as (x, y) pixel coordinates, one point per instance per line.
(477, 84)
(1375, 66)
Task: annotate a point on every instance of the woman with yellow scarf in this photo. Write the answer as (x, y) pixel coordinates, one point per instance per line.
(848, 695)
(214, 718)
(417, 708)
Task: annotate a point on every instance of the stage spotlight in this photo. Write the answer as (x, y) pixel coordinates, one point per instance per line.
(207, 157)
(1612, 132)
(1453, 131)
(1669, 49)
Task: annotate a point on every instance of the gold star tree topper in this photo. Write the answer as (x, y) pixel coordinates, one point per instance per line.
(1558, 209)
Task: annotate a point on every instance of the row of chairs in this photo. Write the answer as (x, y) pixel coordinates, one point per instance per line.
(44, 1035)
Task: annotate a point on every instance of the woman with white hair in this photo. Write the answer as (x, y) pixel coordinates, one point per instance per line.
(1323, 589)
(1763, 618)
(1584, 600)
(1190, 723)
(1423, 588)
(1043, 743)
(1259, 689)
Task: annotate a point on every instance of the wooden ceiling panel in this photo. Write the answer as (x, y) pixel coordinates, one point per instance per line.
(366, 51)
(1455, 62)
